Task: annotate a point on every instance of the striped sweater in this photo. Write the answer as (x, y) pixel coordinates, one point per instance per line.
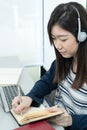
(74, 101)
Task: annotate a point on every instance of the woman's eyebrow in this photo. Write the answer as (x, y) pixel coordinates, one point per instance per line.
(59, 35)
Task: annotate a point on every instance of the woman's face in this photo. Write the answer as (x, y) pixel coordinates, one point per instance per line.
(64, 42)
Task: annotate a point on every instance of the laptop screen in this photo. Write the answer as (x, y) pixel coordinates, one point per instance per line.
(10, 70)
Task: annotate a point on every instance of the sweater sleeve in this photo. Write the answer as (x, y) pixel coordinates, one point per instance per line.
(79, 122)
(43, 86)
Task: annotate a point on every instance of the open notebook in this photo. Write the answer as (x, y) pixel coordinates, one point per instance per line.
(34, 114)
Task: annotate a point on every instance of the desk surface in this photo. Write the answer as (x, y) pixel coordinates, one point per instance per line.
(6, 119)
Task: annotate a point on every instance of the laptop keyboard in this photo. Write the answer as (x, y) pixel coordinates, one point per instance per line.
(7, 94)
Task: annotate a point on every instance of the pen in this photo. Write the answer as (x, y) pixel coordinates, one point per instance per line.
(19, 94)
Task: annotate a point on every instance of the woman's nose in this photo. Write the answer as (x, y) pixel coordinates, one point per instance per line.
(58, 45)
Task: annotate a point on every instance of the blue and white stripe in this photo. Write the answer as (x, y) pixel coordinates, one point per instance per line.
(74, 101)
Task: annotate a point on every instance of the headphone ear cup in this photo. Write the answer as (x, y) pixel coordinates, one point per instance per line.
(82, 36)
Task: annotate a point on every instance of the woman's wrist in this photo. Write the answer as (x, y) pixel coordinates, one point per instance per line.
(29, 102)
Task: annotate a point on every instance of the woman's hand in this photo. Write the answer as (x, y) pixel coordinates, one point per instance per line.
(21, 107)
(62, 120)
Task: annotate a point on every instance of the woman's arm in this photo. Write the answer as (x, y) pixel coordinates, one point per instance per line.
(43, 86)
(35, 97)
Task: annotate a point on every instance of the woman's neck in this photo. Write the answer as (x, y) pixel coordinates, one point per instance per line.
(74, 65)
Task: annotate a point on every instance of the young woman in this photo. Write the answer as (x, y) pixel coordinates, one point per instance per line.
(67, 30)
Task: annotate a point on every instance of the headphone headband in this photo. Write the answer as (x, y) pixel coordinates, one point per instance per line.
(81, 36)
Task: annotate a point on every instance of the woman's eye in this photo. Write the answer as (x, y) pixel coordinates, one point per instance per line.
(54, 38)
(63, 40)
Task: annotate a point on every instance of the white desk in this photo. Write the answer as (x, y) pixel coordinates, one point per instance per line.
(7, 122)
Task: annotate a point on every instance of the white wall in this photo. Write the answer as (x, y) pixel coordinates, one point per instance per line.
(49, 5)
(21, 30)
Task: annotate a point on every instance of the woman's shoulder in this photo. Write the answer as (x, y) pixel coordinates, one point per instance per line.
(53, 63)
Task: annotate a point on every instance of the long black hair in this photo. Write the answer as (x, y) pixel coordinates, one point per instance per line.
(67, 18)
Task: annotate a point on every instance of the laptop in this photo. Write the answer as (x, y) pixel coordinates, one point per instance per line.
(10, 73)
(10, 70)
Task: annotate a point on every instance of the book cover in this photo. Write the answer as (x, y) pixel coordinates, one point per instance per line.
(35, 114)
(40, 125)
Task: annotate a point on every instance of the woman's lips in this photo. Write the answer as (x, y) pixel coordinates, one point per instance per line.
(62, 52)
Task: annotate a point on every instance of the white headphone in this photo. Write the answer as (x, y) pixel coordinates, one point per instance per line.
(81, 36)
